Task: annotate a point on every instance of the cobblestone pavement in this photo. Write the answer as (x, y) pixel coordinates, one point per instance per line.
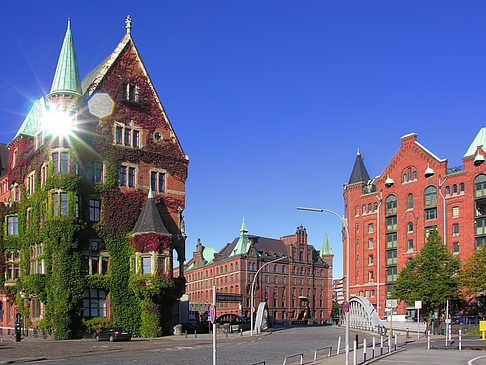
(235, 349)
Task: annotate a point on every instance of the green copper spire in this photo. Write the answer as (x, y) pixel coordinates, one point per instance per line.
(243, 244)
(326, 247)
(67, 78)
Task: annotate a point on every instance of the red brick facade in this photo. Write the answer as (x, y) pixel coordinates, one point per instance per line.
(389, 217)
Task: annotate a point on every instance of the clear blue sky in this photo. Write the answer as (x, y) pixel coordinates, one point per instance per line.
(271, 99)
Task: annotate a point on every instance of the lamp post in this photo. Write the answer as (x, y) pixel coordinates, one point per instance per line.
(253, 287)
(345, 224)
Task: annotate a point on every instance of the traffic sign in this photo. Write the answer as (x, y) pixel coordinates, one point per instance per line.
(346, 307)
(229, 297)
(212, 313)
(392, 303)
(418, 304)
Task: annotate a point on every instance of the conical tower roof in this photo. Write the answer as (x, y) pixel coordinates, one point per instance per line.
(480, 140)
(243, 244)
(359, 173)
(326, 247)
(66, 78)
(150, 220)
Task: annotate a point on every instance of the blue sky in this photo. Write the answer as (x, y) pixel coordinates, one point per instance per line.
(272, 99)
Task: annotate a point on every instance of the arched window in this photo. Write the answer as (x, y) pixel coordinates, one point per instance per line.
(364, 208)
(430, 196)
(357, 211)
(415, 175)
(480, 186)
(375, 207)
(461, 187)
(231, 267)
(410, 201)
(369, 208)
(448, 190)
(410, 174)
(410, 227)
(225, 268)
(391, 205)
(404, 178)
(454, 189)
(301, 256)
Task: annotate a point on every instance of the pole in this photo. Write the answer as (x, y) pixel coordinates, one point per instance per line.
(252, 290)
(418, 323)
(460, 340)
(374, 347)
(447, 322)
(391, 322)
(339, 345)
(355, 352)
(345, 224)
(428, 340)
(378, 253)
(214, 328)
(364, 350)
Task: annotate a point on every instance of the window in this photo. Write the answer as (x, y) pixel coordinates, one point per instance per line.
(391, 240)
(369, 208)
(391, 205)
(12, 267)
(430, 214)
(370, 244)
(94, 210)
(455, 247)
(371, 276)
(410, 201)
(60, 203)
(94, 171)
(37, 264)
(454, 189)
(480, 226)
(391, 274)
(410, 227)
(127, 176)
(430, 196)
(480, 186)
(455, 212)
(391, 223)
(364, 208)
(129, 92)
(60, 162)
(391, 257)
(429, 229)
(448, 190)
(370, 260)
(31, 183)
(455, 230)
(12, 226)
(461, 187)
(94, 303)
(157, 181)
(370, 228)
(127, 135)
(410, 245)
(14, 158)
(480, 241)
(146, 265)
(28, 218)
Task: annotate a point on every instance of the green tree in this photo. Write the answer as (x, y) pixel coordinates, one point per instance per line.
(473, 274)
(431, 276)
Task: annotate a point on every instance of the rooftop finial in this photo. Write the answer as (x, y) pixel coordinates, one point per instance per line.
(69, 23)
(128, 22)
(358, 150)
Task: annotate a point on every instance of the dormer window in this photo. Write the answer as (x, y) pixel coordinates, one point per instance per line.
(130, 92)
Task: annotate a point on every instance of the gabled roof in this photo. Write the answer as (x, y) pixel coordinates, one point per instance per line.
(264, 245)
(28, 125)
(150, 220)
(359, 173)
(95, 77)
(66, 77)
(479, 140)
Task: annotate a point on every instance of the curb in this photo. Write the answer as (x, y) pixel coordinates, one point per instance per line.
(23, 360)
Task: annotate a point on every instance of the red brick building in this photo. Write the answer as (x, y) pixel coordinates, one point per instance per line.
(297, 287)
(390, 216)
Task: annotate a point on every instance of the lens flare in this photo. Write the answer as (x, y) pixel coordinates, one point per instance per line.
(58, 123)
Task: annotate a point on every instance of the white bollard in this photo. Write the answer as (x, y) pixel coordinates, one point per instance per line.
(347, 354)
(381, 348)
(339, 345)
(364, 350)
(450, 332)
(460, 340)
(374, 346)
(428, 340)
(355, 352)
(389, 343)
(396, 342)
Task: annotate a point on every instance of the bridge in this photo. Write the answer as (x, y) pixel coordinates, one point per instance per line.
(363, 316)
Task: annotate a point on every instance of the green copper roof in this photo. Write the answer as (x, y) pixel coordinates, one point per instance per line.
(67, 73)
(28, 125)
(480, 140)
(243, 244)
(208, 253)
(326, 247)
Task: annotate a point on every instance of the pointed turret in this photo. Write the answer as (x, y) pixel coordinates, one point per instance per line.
(150, 220)
(479, 141)
(359, 173)
(66, 78)
(243, 244)
(326, 247)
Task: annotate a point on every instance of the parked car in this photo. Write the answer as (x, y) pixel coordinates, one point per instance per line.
(114, 334)
(234, 320)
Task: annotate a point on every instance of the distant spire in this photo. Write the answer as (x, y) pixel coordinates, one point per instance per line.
(128, 24)
(150, 194)
(243, 244)
(359, 173)
(358, 150)
(243, 227)
(326, 247)
(66, 78)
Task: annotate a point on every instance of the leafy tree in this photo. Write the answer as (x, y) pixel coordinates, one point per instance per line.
(431, 276)
(473, 274)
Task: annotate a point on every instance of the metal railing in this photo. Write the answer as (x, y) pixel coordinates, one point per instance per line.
(322, 348)
(296, 355)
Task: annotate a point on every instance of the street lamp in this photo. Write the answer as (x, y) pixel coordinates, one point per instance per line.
(345, 224)
(252, 288)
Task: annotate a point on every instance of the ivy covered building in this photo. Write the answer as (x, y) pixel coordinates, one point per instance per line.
(92, 190)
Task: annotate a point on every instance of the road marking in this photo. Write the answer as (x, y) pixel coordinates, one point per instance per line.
(470, 362)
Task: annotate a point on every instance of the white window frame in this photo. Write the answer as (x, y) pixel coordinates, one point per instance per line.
(131, 128)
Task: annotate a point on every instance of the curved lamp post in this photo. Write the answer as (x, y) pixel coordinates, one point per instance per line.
(253, 287)
(345, 224)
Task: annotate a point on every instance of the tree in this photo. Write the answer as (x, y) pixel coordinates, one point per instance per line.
(431, 276)
(473, 274)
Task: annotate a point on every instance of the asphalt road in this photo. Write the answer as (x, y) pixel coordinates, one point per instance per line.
(270, 347)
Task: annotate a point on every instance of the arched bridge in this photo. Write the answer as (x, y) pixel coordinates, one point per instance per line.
(362, 315)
